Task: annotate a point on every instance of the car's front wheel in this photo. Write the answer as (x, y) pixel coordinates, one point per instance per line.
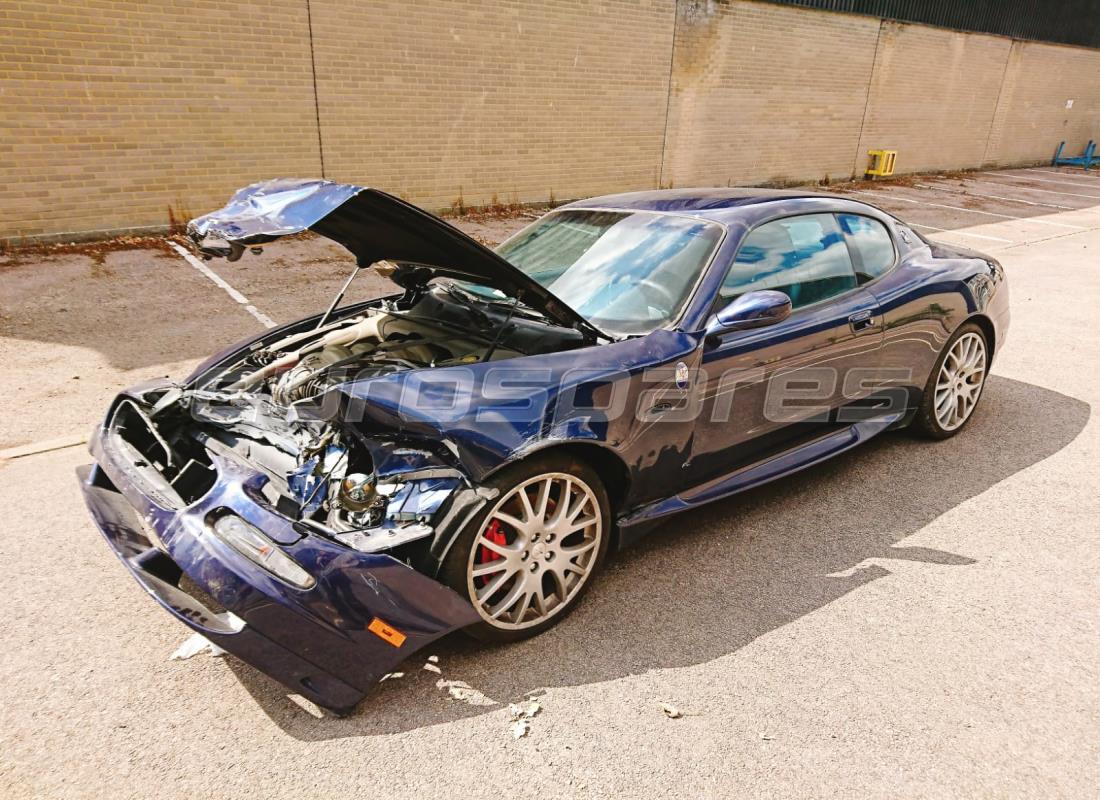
(955, 385)
(525, 561)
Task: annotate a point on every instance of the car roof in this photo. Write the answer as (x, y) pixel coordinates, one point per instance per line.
(708, 203)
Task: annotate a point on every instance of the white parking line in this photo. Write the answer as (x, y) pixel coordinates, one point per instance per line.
(1026, 178)
(1087, 177)
(992, 196)
(265, 320)
(961, 233)
(969, 210)
(47, 446)
(1044, 191)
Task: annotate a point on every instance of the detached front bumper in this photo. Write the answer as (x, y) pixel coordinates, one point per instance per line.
(330, 643)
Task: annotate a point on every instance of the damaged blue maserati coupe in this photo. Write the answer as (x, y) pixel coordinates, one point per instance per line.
(333, 495)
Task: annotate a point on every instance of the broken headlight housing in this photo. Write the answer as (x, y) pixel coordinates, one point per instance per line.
(250, 542)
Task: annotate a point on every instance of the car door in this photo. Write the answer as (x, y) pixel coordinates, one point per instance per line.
(765, 389)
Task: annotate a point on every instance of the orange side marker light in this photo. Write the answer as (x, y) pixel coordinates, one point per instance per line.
(386, 632)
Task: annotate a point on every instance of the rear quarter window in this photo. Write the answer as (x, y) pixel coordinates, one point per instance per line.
(873, 245)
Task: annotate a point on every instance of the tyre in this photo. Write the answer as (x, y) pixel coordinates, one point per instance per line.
(955, 385)
(525, 561)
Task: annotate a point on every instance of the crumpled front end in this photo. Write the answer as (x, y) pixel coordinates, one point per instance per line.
(207, 537)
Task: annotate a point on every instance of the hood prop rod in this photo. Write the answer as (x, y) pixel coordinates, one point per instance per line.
(339, 295)
(500, 331)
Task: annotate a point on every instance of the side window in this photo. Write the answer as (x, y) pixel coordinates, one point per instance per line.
(804, 257)
(872, 244)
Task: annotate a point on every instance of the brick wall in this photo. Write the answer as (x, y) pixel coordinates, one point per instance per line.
(519, 100)
(1032, 114)
(113, 112)
(766, 93)
(932, 96)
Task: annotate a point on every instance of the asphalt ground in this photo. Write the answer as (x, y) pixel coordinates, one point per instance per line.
(910, 619)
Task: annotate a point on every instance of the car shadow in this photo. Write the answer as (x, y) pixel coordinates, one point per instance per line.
(712, 580)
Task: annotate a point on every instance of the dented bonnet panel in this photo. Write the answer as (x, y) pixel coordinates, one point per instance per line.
(374, 226)
(265, 211)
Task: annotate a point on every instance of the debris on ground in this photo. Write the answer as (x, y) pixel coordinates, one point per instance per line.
(430, 667)
(671, 711)
(521, 716)
(391, 676)
(525, 710)
(97, 250)
(196, 643)
(460, 690)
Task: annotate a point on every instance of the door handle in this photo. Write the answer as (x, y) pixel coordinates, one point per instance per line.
(862, 320)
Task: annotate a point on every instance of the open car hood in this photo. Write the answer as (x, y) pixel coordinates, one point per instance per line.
(374, 226)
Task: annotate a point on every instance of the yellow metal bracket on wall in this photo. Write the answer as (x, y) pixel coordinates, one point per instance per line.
(882, 163)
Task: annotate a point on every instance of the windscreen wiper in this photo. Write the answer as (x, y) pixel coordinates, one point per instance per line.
(468, 303)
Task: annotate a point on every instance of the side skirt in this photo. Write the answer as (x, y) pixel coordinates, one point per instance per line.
(635, 525)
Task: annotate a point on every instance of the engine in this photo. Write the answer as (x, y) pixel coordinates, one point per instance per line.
(317, 372)
(375, 343)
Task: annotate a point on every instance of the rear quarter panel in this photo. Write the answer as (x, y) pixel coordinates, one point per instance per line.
(933, 290)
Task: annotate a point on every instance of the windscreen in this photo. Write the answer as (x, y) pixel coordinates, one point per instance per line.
(625, 272)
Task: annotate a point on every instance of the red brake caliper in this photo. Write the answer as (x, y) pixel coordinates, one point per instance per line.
(495, 534)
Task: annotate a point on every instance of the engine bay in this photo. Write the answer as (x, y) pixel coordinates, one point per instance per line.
(376, 342)
(319, 472)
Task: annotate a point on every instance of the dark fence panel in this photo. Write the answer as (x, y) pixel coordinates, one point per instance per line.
(1068, 22)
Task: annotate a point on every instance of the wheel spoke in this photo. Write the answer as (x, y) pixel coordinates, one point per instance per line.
(561, 507)
(528, 510)
(539, 602)
(521, 609)
(495, 585)
(499, 549)
(512, 522)
(576, 550)
(560, 588)
(489, 567)
(580, 525)
(543, 500)
(575, 511)
(510, 599)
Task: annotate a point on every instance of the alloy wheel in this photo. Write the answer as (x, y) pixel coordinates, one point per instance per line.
(960, 381)
(536, 549)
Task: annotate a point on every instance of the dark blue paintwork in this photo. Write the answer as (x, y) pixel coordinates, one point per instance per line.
(316, 641)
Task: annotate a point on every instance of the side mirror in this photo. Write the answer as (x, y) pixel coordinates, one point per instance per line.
(752, 310)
